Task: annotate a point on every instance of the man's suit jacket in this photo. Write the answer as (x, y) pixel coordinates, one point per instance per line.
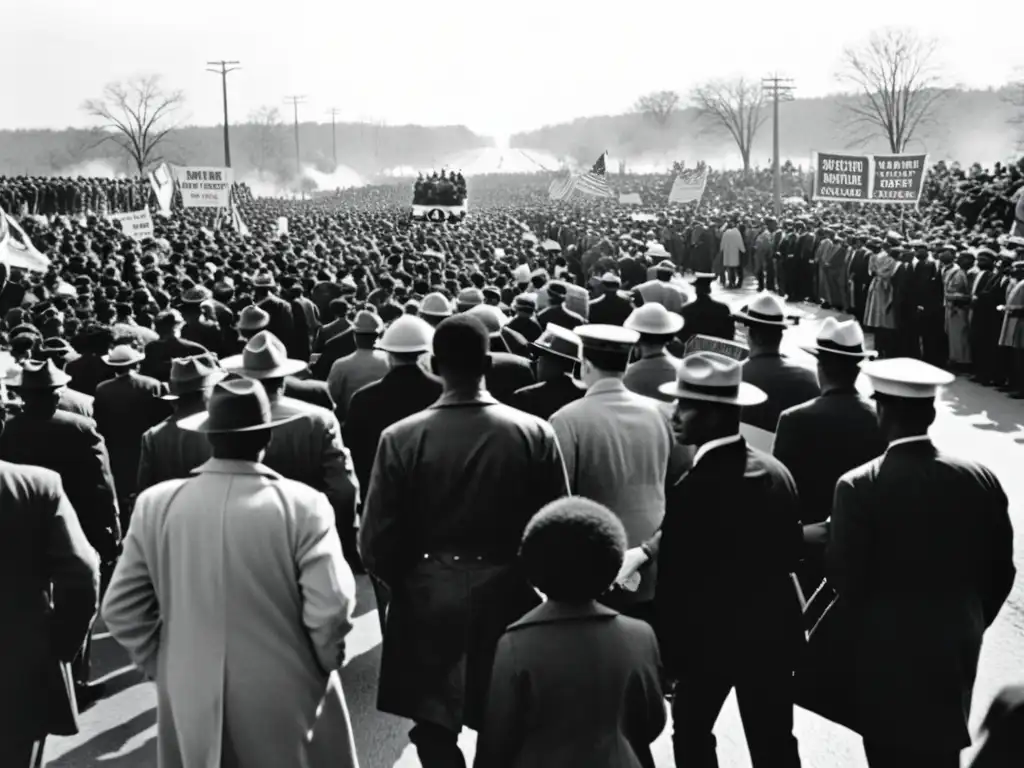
(71, 446)
(557, 314)
(920, 548)
(526, 326)
(785, 381)
(126, 406)
(308, 391)
(610, 309)
(508, 373)
(547, 397)
(403, 391)
(282, 322)
(547, 709)
(334, 349)
(45, 556)
(73, 401)
(169, 453)
(707, 317)
(87, 372)
(159, 354)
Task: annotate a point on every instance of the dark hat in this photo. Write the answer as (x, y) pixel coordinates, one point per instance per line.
(57, 348)
(559, 342)
(558, 289)
(38, 375)
(193, 374)
(238, 405)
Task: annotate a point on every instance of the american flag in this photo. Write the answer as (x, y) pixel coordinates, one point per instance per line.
(595, 182)
(689, 185)
(560, 189)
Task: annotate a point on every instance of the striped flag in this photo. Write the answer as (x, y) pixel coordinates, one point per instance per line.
(16, 249)
(689, 185)
(562, 188)
(595, 181)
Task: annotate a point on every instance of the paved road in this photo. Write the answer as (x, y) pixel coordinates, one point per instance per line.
(120, 731)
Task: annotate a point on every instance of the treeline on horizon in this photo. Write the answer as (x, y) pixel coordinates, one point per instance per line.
(968, 126)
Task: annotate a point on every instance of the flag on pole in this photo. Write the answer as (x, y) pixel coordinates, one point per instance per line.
(689, 185)
(562, 188)
(16, 250)
(236, 219)
(162, 183)
(595, 181)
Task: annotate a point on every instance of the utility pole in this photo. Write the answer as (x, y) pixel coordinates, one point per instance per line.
(779, 89)
(334, 134)
(223, 69)
(295, 101)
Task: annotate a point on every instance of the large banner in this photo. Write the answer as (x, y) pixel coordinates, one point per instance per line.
(868, 178)
(204, 187)
(138, 225)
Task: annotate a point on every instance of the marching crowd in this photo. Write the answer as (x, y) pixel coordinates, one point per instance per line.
(528, 429)
(444, 189)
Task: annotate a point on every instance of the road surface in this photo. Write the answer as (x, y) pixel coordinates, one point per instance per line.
(120, 731)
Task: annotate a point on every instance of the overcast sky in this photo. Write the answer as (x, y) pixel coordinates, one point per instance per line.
(454, 61)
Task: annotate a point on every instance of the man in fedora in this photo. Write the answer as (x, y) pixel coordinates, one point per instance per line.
(364, 366)
(282, 320)
(654, 365)
(840, 410)
(307, 447)
(916, 510)
(197, 327)
(558, 353)
(71, 446)
(450, 494)
(705, 316)
(170, 345)
(556, 311)
(234, 596)
(126, 406)
(168, 452)
(784, 380)
(525, 321)
(617, 446)
(611, 307)
(728, 614)
(61, 353)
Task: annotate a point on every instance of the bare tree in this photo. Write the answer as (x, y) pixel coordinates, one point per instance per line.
(733, 107)
(898, 87)
(265, 136)
(137, 115)
(659, 107)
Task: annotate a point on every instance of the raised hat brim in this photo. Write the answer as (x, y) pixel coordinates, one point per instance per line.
(748, 395)
(236, 365)
(675, 324)
(135, 359)
(200, 422)
(403, 349)
(541, 349)
(743, 317)
(815, 349)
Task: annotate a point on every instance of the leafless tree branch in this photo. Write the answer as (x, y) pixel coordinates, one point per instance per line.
(734, 107)
(659, 107)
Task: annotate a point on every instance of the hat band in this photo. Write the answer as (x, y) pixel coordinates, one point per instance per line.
(753, 314)
(832, 346)
(711, 389)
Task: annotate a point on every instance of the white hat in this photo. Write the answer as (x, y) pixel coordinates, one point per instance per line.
(905, 377)
(123, 355)
(492, 317)
(765, 309)
(657, 250)
(407, 334)
(713, 378)
(654, 319)
(607, 338)
(522, 273)
(845, 339)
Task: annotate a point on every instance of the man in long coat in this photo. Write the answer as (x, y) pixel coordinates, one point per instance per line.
(920, 548)
(233, 595)
(450, 494)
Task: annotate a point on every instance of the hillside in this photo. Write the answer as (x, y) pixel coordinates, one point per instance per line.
(362, 147)
(969, 126)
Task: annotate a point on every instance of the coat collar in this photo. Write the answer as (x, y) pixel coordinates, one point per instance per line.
(549, 612)
(605, 387)
(452, 399)
(234, 467)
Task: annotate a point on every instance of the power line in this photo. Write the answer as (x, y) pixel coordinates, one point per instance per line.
(779, 89)
(223, 69)
(334, 111)
(295, 101)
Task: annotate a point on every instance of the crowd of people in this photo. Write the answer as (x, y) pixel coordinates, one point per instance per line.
(510, 424)
(446, 188)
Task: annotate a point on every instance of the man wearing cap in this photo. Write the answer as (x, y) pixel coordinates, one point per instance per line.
(166, 451)
(728, 614)
(661, 289)
(233, 596)
(920, 549)
(159, 353)
(705, 316)
(986, 319)
(61, 353)
(657, 327)
(617, 447)
(126, 406)
(785, 381)
(70, 446)
(197, 327)
(525, 322)
(611, 307)
(556, 312)
(840, 410)
(364, 366)
(450, 494)
(558, 352)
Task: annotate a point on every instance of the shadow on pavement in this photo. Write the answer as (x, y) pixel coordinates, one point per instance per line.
(997, 412)
(103, 748)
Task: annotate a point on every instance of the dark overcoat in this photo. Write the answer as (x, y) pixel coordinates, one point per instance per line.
(546, 397)
(784, 380)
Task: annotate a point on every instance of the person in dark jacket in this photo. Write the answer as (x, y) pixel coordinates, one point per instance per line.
(611, 307)
(282, 319)
(558, 353)
(1004, 731)
(170, 345)
(704, 315)
(525, 321)
(912, 511)
(840, 411)
(728, 613)
(556, 312)
(61, 353)
(545, 706)
(784, 380)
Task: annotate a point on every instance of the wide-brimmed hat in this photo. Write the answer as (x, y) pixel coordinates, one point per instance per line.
(652, 318)
(56, 348)
(845, 339)
(123, 355)
(610, 278)
(264, 357)
(657, 250)
(192, 374)
(237, 405)
(665, 265)
(905, 377)
(702, 277)
(264, 280)
(252, 318)
(368, 323)
(765, 309)
(713, 378)
(408, 334)
(196, 295)
(559, 342)
(37, 375)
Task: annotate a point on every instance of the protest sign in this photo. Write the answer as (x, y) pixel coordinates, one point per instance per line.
(643, 217)
(204, 187)
(138, 225)
(875, 179)
(630, 198)
(282, 225)
(701, 343)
